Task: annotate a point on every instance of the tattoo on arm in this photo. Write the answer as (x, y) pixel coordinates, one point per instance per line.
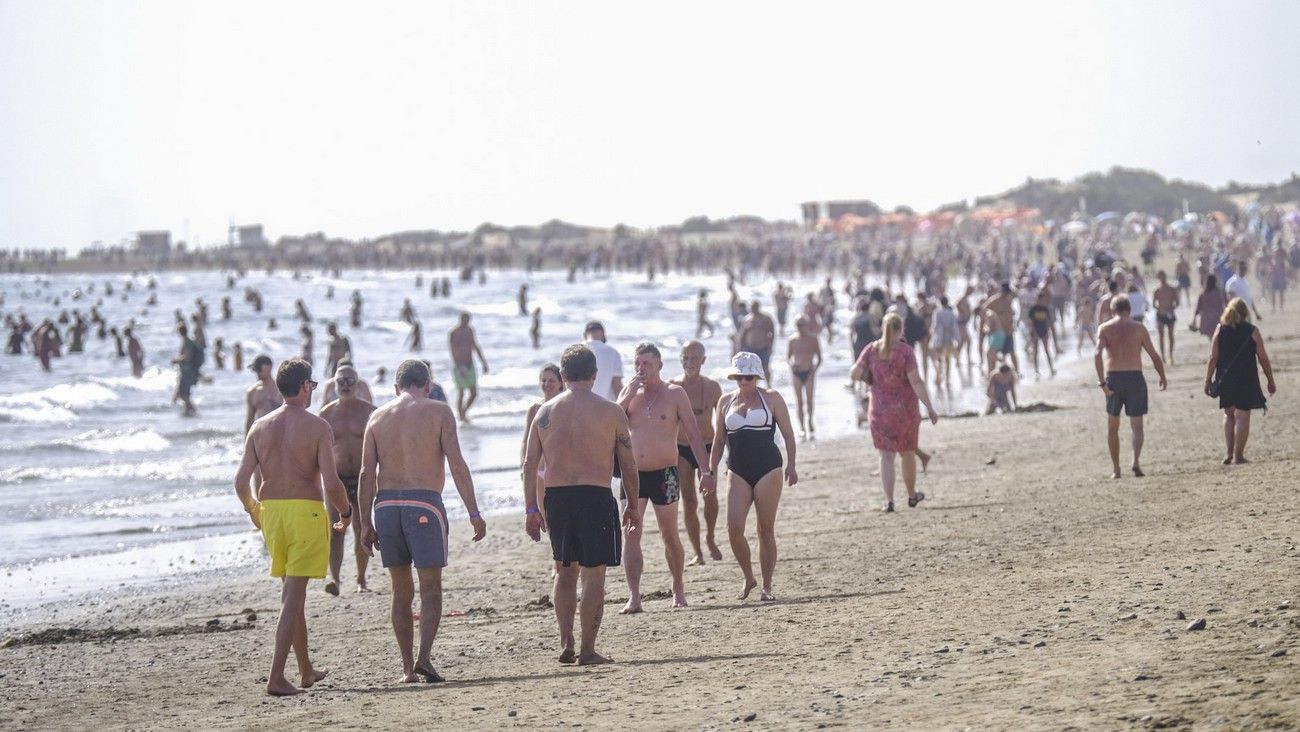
(544, 416)
(625, 440)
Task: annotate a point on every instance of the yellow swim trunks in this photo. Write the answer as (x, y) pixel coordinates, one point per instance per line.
(297, 534)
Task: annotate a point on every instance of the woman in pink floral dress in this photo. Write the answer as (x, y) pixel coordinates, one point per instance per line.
(889, 366)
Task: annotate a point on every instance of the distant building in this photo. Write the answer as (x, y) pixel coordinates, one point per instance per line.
(249, 236)
(153, 243)
(815, 212)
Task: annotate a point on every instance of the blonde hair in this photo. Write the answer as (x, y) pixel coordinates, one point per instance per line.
(893, 329)
(1235, 312)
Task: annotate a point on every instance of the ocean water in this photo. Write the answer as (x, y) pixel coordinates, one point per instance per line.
(103, 483)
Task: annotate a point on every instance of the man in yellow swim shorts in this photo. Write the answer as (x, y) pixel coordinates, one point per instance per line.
(293, 449)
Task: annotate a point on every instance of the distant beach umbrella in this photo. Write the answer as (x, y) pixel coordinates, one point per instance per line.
(1075, 227)
(1105, 216)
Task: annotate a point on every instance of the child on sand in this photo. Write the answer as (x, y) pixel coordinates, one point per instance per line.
(1001, 391)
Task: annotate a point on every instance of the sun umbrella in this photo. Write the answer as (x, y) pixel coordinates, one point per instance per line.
(1106, 216)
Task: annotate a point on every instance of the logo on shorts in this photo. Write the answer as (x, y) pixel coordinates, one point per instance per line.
(424, 519)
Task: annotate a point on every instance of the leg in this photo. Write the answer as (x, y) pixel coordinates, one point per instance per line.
(1047, 353)
(690, 509)
(293, 596)
(363, 557)
(403, 594)
(666, 517)
(565, 593)
(739, 498)
(634, 562)
(430, 616)
(473, 395)
(1171, 344)
(1243, 434)
(798, 406)
(308, 673)
(1138, 436)
(1112, 442)
(887, 476)
(810, 388)
(767, 495)
(908, 459)
(1229, 433)
(711, 525)
(1160, 328)
(593, 609)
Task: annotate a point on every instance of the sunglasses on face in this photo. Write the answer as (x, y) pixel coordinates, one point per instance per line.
(347, 381)
(313, 384)
(747, 378)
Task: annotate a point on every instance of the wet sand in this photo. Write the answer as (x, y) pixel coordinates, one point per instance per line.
(1029, 591)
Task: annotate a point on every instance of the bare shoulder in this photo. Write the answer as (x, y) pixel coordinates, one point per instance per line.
(774, 396)
(328, 410)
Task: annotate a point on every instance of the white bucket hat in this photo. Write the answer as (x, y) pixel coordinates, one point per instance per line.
(745, 364)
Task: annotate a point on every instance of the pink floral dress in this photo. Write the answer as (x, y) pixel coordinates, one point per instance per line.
(895, 412)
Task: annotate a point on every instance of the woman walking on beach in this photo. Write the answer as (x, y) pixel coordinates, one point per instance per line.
(750, 417)
(1209, 306)
(551, 384)
(1236, 348)
(889, 367)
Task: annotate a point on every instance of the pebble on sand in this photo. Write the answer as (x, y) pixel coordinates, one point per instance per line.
(1197, 624)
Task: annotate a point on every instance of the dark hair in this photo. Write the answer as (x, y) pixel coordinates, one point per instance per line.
(291, 375)
(593, 325)
(943, 300)
(1112, 285)
(578, 363)
(555, 370)
(647, 347)
(412, 372)
(1120, 304)
(1211, 282)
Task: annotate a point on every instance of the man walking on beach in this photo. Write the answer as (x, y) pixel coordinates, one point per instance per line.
(347, 417)
(292, 449)
(656, 412)
(263, 397)
(188, 360)
(757, 334)
(703, 393)
(402, 476)
(580, 435)
(464, 346)
(1120, 343)
(135, 352)
(609, 364)
(338, 347)
(1165, 300)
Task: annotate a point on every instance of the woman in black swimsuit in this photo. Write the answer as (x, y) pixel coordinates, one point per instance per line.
(750, 417)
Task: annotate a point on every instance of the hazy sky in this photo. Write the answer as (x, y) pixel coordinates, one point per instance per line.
(364, 118)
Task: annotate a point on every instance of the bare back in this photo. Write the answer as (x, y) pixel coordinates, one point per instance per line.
(1121, 341)
(579, 433)
(292, 447)
(410, 439)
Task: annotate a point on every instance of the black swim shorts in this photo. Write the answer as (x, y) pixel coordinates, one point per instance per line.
(350, 483)
(687, 454)
(1128, 391)
(582, 521)
(1168, 318)
(1009, 344)
(660, 486)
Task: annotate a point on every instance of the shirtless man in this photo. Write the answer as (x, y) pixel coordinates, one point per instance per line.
(135, 352)
(347, 417)
(580, 435)
(704, 394)
(757, 335)
(1120, 343)
(702, 315)
(464, 346)
(291, 448)
(337, 348)
(656, 411)
(1165, 299)
(262, 397)
(331, 386)
(1001, 305)
(402, 475)
(804, 355)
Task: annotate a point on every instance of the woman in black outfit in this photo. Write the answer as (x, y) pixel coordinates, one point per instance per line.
(1234, 351)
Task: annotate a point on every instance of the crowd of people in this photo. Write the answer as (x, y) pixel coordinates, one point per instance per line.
(382, 467)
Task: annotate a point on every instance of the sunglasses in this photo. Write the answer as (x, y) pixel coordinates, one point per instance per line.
(313, 383)
(348, 381)
(746, 378)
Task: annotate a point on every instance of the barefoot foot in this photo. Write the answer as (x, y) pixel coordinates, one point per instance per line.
(1138, 471)
(332, 588)
(593, 659)
(1116, 475)
(747, 588)
(308, 679)
(766, 595)
(679, 599)
(714, 551)
(632, 607)
(568, 656)
(410, 678)
(428, 673)
(283, 688)
(696, 561)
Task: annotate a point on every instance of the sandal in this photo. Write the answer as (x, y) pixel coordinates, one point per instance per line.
(913, 500)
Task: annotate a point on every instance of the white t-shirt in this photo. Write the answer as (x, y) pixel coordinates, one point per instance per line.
(1237, 286)
(1137, 301)
(609, 365)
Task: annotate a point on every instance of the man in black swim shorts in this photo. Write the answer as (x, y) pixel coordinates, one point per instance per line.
(580, 435)
(704, 394)
(347, 417)
(1120, 343)
(657, 411)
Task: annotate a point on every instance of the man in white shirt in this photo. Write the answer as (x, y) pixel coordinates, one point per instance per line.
(609, 365)
(1238, 286)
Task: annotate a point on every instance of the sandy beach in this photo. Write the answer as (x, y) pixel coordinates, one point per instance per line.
(1029, 591)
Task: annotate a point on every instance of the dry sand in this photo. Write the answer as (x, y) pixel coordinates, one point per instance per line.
(1030, 591)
